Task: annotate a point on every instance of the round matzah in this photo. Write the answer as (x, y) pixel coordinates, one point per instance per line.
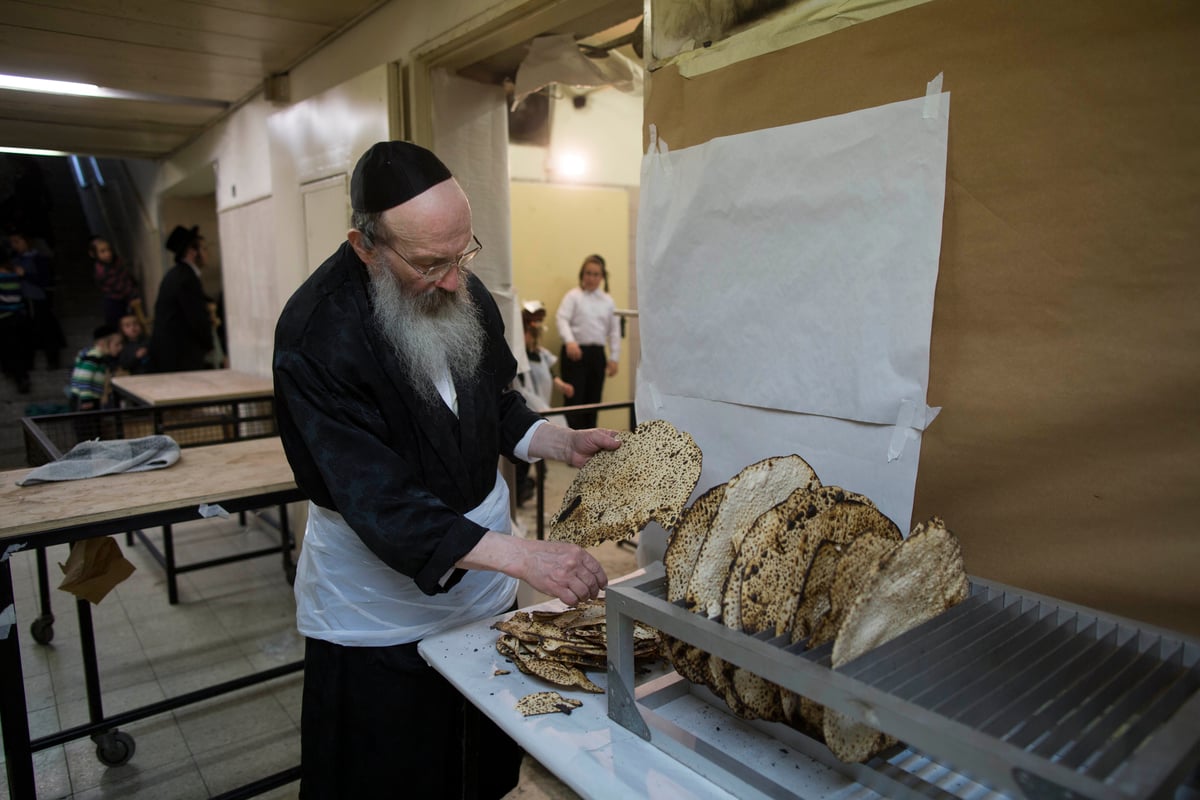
(618, 492)
(913, 582)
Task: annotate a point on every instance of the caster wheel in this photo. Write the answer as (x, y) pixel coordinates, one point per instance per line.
(42, 630)
(114, 748)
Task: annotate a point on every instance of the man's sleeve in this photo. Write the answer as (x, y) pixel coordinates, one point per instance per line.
(562, 318)
(195, 310)
(336, 439)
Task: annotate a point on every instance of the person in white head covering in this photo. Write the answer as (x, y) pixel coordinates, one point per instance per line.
(537, 384)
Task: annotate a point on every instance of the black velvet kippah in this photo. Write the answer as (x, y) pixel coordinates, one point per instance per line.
(391, 173)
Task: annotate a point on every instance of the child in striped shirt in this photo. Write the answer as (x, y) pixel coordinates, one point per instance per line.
(89, 379)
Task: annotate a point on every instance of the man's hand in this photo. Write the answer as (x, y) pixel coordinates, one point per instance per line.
(561, 569)
(572, 447)
(612, 369)
(574, 351)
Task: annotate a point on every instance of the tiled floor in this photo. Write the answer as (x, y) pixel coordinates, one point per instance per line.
(231, 621)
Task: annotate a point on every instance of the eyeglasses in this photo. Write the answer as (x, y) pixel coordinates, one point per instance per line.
(435, 272)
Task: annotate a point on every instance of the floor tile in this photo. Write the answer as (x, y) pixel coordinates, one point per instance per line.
(234, 721)
(230, 766)
(157, 741)
(39, 692)
(119, 658)
(76, 710)
(202, 673)
(180, 780)
(289, 692)
(44, 722)
(50, 776)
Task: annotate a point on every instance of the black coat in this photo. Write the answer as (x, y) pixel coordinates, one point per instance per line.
(363, 443)
(182, 333)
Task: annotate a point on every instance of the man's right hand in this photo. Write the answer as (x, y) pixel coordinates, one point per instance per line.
(559, 569)
(563, 570)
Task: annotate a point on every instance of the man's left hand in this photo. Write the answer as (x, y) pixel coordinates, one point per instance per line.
(586, 443)
(570, 446)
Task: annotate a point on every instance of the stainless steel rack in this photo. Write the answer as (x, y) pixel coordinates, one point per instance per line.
(1028, 695)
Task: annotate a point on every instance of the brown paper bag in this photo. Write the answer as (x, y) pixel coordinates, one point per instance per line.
(94, 568)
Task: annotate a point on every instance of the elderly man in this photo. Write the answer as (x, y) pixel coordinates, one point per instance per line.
(392, 385)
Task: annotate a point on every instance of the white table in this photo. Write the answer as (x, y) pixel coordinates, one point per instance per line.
(595, 756)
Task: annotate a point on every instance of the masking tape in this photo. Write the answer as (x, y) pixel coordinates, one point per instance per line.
(910, 419)
(933, 97)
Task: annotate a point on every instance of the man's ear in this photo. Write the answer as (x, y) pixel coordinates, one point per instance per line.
(358, 242)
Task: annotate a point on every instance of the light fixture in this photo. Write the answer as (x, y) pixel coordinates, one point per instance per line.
(46, 86)
(22, 83)
(77, 171)
(96, 170)
(569, 165)
(31, 151)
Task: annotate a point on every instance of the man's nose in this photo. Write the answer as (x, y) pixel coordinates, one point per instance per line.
(449, 281)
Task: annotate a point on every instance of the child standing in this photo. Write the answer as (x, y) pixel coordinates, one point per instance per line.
(117, 286)
(135, 350)
(89, 380)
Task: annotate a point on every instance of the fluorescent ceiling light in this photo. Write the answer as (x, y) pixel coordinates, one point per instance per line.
(31, 151)
(46, 86)
(23, 84)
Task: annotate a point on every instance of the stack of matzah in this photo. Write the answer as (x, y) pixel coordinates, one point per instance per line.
(558, 646)
(774, 550)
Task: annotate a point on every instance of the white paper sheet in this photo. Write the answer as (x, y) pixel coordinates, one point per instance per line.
(793, 268)
(785, 291)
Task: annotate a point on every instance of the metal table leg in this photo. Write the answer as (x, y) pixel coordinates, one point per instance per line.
(14, 714)
(112, 746)
(42, 628)
(169, 565)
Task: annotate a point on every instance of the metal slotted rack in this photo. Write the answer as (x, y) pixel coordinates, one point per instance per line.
(1029, 696)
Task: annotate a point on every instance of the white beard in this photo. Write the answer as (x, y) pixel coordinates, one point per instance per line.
(431, 334)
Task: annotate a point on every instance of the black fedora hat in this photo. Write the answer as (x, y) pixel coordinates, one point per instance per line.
(182, 238)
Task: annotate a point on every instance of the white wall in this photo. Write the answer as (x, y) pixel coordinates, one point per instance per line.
(263, 153)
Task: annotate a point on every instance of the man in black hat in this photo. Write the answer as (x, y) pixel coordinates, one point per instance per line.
(183, 333)
(392, 390)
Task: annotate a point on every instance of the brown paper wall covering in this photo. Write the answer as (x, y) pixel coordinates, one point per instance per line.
(1066, 334)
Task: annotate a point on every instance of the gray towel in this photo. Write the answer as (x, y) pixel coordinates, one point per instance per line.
(107, 457)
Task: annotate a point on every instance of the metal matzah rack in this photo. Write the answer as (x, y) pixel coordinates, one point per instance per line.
(1030, 696)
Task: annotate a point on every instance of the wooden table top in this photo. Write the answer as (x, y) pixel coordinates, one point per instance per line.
(167, 388)
(202, 475)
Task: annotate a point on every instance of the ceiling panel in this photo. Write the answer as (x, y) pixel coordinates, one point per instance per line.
(192, 61)
(195, 60)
